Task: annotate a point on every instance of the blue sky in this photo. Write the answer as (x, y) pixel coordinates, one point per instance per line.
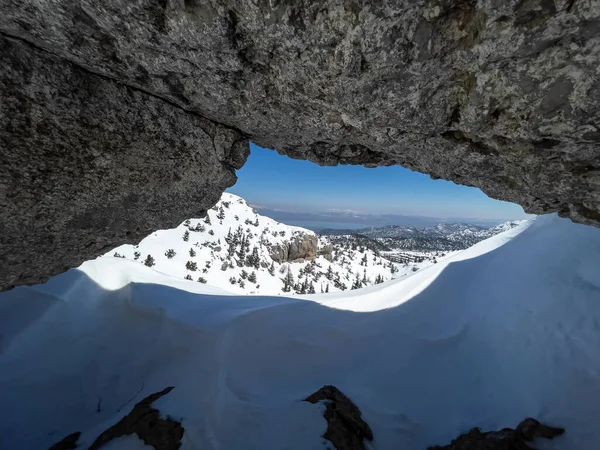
(272, 181)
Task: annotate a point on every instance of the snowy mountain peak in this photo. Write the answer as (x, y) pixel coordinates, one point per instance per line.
(236, 249)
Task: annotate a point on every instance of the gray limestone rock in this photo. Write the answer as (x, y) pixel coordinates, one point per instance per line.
(89, 164)
(299, 248)
(502, 95)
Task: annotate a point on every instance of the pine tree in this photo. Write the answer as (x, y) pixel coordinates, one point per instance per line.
(357, 284)
(311, 289)
(191, 265)
(136, 255)
(170, 253)
(329, 274)
(255, 258)
(232, 280)
(201, 280)
(211, 232)
(221, 214)
(186, 236)
(207, 220)
(252, 277)
(188, 277)
(192, 252)
(327, 289)
(243, 274)
(149, 261)
(288, 281)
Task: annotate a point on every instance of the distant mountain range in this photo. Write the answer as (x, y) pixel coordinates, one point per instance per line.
(440, 237)
(351, 220)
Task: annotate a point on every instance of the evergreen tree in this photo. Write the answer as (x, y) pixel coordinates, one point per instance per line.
(357, 284)
(191, 265)
(170, 253)
(136, 255)
(288, 281)
(329, 274)
(272, 269)
(255, 258)
(211, 232)
(311, 289)
(188, 277)
(363, 261)
(241, 283)
(201, 280)
(232, 280)
(186, 236)
(252, 277)
(243, 274)
(327, 289)
(192, 252)
(207, 219)
(149, 261)
(221, 214)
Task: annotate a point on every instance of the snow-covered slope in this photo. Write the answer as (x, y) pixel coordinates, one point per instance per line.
(505, 330)
(210, 251)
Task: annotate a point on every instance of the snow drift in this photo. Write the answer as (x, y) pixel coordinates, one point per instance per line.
(505, 330)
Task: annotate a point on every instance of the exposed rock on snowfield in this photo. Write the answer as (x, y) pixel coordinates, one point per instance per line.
(345, 427)
(301, 247)
(505, 439)
(146, 422)
(502, 95)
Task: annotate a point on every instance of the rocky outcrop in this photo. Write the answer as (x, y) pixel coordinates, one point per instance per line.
(346, 429)
(300, 247)
(128, 95)
(326, 251)
(144, 421)
(505, 439)
(89, 164)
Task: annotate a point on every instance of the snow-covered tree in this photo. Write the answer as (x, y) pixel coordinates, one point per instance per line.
(149, 261)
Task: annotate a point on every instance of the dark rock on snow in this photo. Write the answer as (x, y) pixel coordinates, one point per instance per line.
(145, 421)
(346, 429)
(505, 439)
(125, 116)
(68, 443)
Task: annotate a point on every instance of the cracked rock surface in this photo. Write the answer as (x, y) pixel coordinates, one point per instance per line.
(152, 100)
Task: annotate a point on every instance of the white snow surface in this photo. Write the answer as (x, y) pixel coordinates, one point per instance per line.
(507, 329)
